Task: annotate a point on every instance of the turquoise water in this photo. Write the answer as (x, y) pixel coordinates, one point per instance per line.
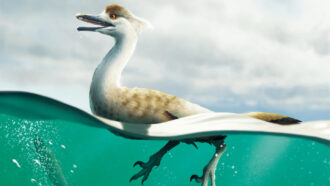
(86, 154)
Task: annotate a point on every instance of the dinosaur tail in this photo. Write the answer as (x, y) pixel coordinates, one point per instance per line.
(273, 118)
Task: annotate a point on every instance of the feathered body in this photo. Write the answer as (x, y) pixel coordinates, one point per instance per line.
(142, 105)
(109, 99)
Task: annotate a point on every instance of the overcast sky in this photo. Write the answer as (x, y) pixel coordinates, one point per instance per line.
(229, 56)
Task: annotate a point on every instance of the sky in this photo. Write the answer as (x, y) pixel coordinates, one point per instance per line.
(229, 56)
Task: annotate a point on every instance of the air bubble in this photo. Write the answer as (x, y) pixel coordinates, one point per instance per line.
(15, 161)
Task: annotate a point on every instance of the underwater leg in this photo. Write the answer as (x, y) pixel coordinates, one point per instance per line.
(154, 160)
(209, 169)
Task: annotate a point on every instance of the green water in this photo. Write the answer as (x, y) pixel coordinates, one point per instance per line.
(90, 155)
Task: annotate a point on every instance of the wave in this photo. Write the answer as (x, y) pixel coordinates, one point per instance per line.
(36, 107)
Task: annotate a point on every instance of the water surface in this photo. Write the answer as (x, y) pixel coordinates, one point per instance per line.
(90, 155)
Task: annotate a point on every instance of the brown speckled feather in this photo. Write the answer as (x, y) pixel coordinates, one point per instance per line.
(273, 118)
(140, 105)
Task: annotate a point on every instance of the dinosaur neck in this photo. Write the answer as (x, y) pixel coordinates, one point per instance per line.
(108, 73)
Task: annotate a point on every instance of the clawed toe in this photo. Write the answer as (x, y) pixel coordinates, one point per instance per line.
(154, 160)
(139, 163)
(196, 178)
(209, 169)
(145, 171)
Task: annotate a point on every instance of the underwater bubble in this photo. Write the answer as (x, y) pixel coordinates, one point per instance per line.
(63, 146)
(74, 166)
(50, 143)
(37, 161)
(233, 167)
(72, 171)
(33, 180)
(227, 155)
(15, 161)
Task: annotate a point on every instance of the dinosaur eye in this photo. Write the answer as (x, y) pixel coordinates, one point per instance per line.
(113, 16)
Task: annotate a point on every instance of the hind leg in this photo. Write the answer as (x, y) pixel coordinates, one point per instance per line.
(154, 160)
(209, 169)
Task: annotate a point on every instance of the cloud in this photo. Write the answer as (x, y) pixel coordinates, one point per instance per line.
(221, 54)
